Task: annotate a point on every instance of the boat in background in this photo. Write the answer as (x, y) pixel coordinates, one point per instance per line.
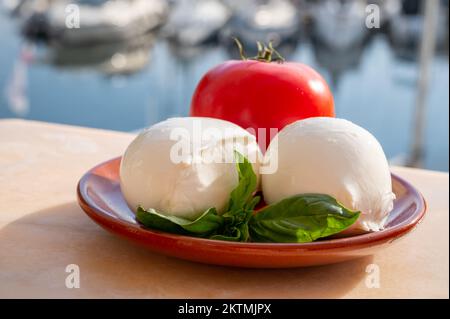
(339, 35)
(337, 62)
(195, 22)
(388, 9)
(100, 21)
(21, 8)
(113, 58)
(405, 31)
(263, 20)
(340, 25)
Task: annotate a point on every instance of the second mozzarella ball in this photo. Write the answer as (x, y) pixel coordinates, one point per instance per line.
(334, 157)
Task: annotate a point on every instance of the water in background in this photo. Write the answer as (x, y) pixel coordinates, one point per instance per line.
(132, 84)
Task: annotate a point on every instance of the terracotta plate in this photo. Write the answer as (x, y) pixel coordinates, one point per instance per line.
(100, 197)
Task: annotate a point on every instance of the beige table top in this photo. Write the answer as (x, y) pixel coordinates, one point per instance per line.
(42, 230)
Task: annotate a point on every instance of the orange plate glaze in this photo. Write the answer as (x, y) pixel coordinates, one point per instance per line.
(100, 197)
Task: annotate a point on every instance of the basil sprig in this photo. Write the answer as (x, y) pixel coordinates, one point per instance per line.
(300, 218)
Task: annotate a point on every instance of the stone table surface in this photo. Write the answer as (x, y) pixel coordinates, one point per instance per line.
(43, 230)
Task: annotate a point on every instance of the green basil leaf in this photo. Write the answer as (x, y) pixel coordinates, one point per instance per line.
(236, 225)
(244, 232)
(234, 235)
(242, 194)
(152, 219)
(206, 224)
(252, 203)
(301, 218)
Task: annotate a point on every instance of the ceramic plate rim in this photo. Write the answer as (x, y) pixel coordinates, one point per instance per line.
(89, 206)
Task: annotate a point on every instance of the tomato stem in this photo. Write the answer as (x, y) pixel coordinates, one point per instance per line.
(272, 49)
(241, 48)
(265, 53)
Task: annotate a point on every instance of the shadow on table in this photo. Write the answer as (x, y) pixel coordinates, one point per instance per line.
(51, 239)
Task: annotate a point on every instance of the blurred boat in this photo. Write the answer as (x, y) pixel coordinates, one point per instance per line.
(405, 31)
(13, 7)
(388, 9)
(339, 35)
(262, 20)
(83, 22)
(304, 9)
(22, 8)
(186, 54)
(337, 62)
(195, 22)
(114, 58)
(340, 25)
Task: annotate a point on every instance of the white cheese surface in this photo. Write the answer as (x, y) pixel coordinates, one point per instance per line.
(335, 157)
(150, 177)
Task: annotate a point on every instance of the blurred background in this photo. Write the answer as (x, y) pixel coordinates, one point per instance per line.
(126, 64)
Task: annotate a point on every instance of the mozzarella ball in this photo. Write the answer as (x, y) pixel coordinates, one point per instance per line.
(335, 157)
(183, 166)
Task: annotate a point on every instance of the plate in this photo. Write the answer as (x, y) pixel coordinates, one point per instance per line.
(100, 197)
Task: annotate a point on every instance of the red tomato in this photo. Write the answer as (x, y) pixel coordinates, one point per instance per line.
(256, 94)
